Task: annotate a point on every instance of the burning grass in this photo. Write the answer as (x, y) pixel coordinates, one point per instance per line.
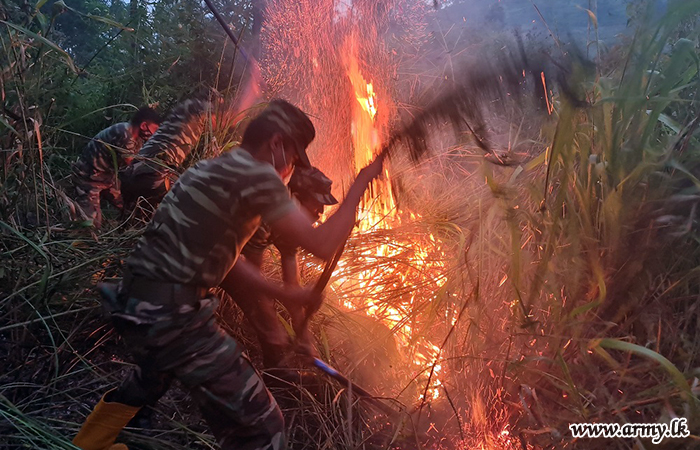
(489, 306)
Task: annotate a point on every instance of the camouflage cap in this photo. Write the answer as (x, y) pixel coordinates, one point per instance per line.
(309, 181)
(293, 123)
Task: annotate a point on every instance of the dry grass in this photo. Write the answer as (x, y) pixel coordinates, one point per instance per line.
(560, 290)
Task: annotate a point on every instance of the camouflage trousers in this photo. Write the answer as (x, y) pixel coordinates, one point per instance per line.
(174, 336)
(142, 180)
(88, 194)
(261, 313)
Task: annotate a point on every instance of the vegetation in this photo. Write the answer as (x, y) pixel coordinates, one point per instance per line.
(563, 289)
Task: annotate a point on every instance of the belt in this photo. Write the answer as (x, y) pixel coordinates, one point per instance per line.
(143, 288)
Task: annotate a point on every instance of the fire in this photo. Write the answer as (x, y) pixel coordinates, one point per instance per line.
(368, 103)
(366, 132)
(392, 275)
(388, 264)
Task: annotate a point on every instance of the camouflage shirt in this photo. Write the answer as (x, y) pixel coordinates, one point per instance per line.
(105, 151)
(178, 134)
(207, 217)
(263, 238)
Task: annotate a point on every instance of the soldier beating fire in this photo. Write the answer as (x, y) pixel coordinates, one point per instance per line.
(163, 308)
(312, 190)
(150, 178)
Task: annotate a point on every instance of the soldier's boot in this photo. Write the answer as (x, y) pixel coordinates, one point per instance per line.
(87, 197)
(104, 424)
(142, 419)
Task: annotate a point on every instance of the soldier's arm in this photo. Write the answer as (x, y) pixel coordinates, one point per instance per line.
(255, 258)
(327, 237)
(245, 275)
(288, 260)
(290, 267)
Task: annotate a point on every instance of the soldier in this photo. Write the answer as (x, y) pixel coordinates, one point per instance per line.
(312, 189)
(163, 309)
(162, 156)
(95, 172)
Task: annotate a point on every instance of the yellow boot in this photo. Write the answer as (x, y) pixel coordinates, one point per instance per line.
(103, 425)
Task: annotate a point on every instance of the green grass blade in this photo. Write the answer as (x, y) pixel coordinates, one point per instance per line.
(66, 57)
(676, 375)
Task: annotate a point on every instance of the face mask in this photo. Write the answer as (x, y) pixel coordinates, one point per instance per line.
(284, 157)
(285, 179)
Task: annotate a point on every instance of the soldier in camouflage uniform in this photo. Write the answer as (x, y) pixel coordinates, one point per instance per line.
(312, 189)
(95, 172)
(164, 309)
(162, 156)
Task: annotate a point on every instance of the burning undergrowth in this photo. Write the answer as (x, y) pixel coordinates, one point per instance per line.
(478, 294)
(406, 277)
(489, 305)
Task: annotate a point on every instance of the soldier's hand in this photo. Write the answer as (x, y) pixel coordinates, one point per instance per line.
(303, 301)
(299, 297)
(304, 347)
(374, 169)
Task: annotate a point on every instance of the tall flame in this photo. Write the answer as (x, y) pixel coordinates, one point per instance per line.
(378, 211)
(367, 131)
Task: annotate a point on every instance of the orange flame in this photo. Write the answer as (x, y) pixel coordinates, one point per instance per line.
(378, 211)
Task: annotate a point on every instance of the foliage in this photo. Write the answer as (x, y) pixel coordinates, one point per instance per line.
(570, 280)
(604, 241)
(70, 69)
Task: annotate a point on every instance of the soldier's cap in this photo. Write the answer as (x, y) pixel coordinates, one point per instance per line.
(309, 181)
(293, 123)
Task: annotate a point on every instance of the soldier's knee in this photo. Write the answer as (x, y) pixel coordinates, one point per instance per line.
(275, 420)
(272, 427)
(278, 439)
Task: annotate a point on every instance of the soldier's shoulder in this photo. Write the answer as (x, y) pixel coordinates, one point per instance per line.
(188, 108)
(241, 161)
(117, 128)
(118, 132)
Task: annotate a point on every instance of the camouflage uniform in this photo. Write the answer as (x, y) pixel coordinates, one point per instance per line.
(166, 316)
(309, 182)
(164, 153)
(95, 172)
(260, 310)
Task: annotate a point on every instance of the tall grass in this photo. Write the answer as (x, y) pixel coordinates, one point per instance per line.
(57, 354)
(602, 238)
(579, 287)
(569, 289)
